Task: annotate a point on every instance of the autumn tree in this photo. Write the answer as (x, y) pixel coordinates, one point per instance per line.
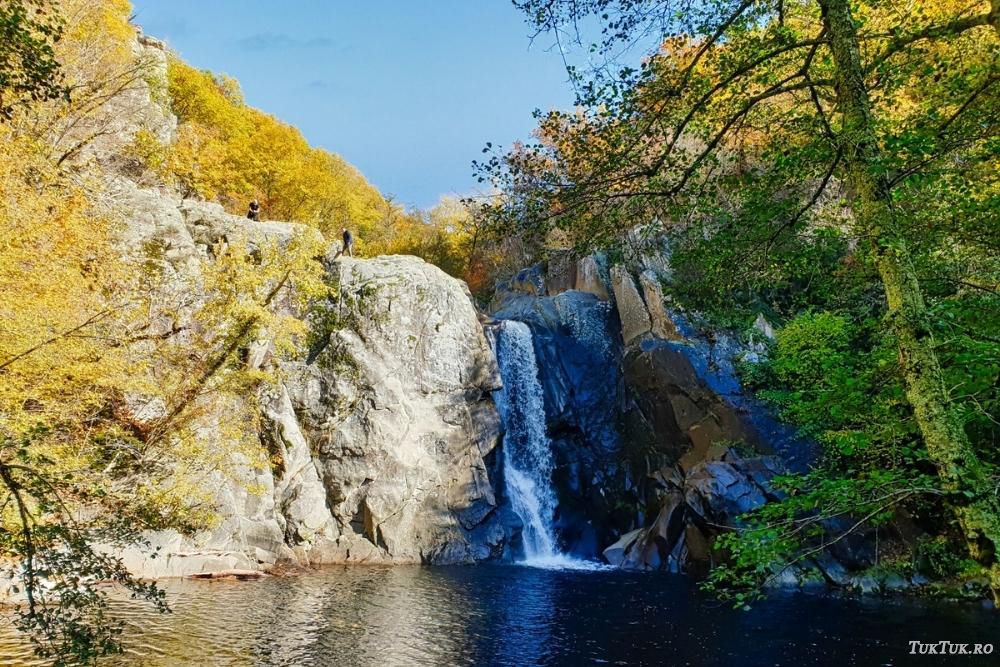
(230, 152)
(107, 83)
(29, 70)
(747, 125)
(111, 361)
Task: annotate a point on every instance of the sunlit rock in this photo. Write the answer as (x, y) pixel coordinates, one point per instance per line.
(663, 325)
(631, 308)
(589, 278)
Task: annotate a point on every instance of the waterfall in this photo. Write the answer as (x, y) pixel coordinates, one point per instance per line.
(527, 451)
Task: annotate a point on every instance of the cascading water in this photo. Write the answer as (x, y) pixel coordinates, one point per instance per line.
(527, 450)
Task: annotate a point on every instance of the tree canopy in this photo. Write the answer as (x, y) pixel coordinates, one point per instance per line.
(28, 67)
(802, 156)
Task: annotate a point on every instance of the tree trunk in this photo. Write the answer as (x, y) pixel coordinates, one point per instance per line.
(961, 473)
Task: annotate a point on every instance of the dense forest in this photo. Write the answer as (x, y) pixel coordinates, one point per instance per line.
(830, 165)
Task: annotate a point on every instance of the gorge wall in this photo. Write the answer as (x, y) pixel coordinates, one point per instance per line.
(382, 434)
(378, 437)
(657, 447)
(384, 437)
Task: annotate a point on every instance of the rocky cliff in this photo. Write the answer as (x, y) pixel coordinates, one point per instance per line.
(379, 432)
(379, 435)
(657, 445)
(395, 405)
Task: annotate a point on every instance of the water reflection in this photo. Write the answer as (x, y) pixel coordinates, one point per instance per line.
(525, 624)
(514, 615)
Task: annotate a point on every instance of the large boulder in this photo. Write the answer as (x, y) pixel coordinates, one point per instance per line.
(631, 308)
(693, 506)
(397, 406)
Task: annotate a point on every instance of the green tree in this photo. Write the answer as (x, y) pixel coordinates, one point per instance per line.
(28, 67)
(752, 122)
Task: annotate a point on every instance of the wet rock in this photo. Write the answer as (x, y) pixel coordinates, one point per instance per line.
(811, 580)
(865, 583)
(693, 508)
(616, 553)
(577, 350)
(529, 281)
(894, 582)
(717, 490)
(783, 580)
(832, 569)
(685, 415)
(655, 547)
(699, 546)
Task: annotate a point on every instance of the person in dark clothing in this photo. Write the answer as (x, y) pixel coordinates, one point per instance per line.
(348, 247)
(254, 212)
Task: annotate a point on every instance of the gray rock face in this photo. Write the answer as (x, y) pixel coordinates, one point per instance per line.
(181, 232)
(397, 407)
(577, 351)
(379, 438)
(560, 273)
(686, 416)
(662, 323)
(631, 308)
(141, 104)
(589, 278)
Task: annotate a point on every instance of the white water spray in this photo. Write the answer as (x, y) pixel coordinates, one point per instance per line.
(527, 450)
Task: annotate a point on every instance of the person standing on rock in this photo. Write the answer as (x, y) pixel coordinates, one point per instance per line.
(254, 212)
(348, 246)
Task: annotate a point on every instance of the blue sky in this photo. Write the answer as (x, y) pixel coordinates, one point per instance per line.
(408, 91)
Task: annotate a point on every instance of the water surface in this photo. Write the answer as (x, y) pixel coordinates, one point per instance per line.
(514, 615)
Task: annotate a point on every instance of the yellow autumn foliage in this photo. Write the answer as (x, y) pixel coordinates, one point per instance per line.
(111, 368)
(61, 295)
(230, 152)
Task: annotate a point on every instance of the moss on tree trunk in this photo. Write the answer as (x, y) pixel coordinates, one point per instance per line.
(959, 469)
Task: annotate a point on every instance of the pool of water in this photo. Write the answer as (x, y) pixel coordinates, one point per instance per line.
(515, 615)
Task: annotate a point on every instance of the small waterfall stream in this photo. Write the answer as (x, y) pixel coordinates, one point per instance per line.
(527, 450)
